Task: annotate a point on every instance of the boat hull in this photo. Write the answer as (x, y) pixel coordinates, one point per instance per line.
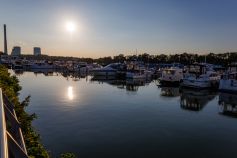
(130, 75)
(169, 83)
(228, 85)
(196, 84)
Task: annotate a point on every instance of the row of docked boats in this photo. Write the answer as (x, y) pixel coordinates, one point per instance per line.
(197, 75)
(27, 64)
(201, 75)
(131, 70)
(69, 66)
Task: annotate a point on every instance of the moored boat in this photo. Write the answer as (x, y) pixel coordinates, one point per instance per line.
(81, 67)
(135, 75)
(135, 70)
(228, 82)
(17, 64)
(42, 65)
(171, 76)
(201, 76)
(109, 70)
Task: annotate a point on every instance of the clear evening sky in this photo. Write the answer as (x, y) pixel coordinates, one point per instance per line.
(111, 27)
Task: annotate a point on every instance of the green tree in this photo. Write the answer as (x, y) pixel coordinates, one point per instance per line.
(10, 86)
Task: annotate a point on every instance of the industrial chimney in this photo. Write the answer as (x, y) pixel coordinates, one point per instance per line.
(5, 39)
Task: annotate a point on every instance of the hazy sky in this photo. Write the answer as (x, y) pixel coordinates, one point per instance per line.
(110, 27)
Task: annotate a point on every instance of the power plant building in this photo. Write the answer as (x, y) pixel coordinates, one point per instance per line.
(37, 51)
(16, 51)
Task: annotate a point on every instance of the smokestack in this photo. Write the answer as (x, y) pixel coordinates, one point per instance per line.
(5, 39)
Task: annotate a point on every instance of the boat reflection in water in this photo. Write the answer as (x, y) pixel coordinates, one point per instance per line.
(134, 84)
(128, 84)
(46, 72)
(170, 91)
(228, 104)
(18, 72)
(103, 78)
(75, 76)
(195, 100)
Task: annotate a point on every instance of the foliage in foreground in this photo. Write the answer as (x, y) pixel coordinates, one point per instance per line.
(10, 86)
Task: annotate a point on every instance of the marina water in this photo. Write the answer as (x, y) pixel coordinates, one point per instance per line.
(128, 119)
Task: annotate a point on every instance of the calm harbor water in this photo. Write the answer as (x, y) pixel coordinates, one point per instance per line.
(129, 119)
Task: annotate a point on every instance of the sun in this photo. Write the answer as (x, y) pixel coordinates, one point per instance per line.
(71, 26)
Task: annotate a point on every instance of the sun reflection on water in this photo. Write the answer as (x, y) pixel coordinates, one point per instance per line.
(70, 93)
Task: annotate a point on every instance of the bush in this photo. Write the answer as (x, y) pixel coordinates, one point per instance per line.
(10, 87)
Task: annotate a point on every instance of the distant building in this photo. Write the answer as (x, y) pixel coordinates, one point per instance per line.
(37, 51)
(16, 51)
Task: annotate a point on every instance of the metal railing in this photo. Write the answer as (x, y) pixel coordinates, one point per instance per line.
(12, 142)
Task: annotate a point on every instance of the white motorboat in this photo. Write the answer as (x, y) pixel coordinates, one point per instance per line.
(17, 64)
(228, 81)
(109, 70)
(135, 75)
(171, 76)
(135, 71)
(82, 67)
(201, 76)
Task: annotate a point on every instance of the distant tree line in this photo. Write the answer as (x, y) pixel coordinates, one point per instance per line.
(183, 58)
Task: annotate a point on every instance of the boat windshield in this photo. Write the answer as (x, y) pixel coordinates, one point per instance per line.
(114, 66)
(233, 76)
(172, 72)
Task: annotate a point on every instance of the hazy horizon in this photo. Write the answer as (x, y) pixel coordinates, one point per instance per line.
(110, 27)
